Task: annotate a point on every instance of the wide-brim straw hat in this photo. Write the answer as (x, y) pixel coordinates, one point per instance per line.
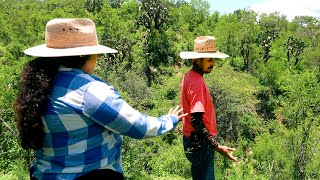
(69, 37)
(204, 47)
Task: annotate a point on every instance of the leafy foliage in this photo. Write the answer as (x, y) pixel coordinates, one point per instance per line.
(266, 94)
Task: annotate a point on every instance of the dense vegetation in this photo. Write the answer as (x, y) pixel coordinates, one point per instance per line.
(267, 94)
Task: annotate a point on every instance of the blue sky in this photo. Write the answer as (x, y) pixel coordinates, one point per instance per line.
(228, 6)
(290, 8)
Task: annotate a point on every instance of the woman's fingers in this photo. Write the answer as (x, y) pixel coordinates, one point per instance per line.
(180, 110)
(182, 115)
(177, 112)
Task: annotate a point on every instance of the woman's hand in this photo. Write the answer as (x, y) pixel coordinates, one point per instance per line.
(176, 112)
(226, 152)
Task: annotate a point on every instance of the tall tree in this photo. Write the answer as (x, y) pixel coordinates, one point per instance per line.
(308, 29)
(115, 3)
(247, 37)
(94, 5)
(154, 15)
(294, 47)
(227, 33)
(269, 33)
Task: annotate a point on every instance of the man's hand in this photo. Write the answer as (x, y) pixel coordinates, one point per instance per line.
(226, 152)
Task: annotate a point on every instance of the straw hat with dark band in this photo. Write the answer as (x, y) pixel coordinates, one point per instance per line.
(204, 47)
(69, 37)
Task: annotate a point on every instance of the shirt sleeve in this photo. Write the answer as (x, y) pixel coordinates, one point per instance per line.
(197, 98)
(103, 104)
(201, 130)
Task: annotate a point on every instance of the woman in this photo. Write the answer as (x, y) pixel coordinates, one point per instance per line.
(72, 119)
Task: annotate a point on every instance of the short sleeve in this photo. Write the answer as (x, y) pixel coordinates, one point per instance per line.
(197, 98)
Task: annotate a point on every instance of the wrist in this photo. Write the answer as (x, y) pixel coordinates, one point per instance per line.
(174, 119)
(217, 148)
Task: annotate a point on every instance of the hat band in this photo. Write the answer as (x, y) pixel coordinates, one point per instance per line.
(53, 41)
(205, 50)
(208, 46)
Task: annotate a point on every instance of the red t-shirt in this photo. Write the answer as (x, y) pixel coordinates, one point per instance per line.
(195, 97)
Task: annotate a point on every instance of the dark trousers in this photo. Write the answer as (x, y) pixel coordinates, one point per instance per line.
(202, 165)
(103, 174)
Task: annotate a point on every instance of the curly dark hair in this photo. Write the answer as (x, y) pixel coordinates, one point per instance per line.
(36, 82)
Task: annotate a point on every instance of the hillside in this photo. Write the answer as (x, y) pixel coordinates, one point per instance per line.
(266, 94)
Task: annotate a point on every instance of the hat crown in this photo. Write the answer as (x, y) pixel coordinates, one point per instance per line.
(69, 37)
(70, 33)
(205, 44)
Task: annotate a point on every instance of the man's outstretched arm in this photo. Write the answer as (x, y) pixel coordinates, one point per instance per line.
(204, 134)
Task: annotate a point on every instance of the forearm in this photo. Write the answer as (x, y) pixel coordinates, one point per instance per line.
(202, 131)
(132, 123)
(103, 104)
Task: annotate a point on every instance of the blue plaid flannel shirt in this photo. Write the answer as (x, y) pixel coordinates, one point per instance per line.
(84, 121)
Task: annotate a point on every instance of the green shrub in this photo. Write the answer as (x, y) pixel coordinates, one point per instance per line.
(18, 171)
(171, 161)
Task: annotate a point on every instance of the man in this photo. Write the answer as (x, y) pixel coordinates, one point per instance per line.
(199, 126)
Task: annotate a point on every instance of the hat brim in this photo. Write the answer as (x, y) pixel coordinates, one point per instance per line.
(195, 55)
(44, 51)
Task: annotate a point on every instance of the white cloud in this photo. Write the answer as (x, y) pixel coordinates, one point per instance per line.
(290, 8)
